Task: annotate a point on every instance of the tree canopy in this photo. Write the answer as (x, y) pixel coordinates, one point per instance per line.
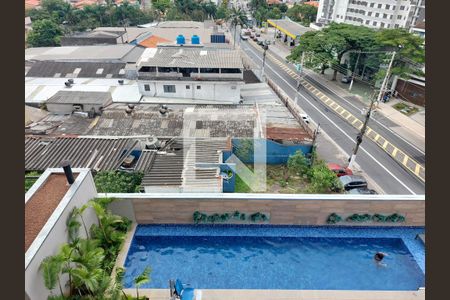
(302, 13)
(326, 48)
(45, 33)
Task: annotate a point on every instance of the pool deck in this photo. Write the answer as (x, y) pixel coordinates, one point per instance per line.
(229, 294)
(160, 294)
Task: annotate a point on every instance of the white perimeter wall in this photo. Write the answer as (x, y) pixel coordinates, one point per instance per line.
(218, 91)
(54, 232)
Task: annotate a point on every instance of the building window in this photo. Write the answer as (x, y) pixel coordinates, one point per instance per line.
(374, 23)
(367, 22)
(377, 15)
(169, 89)
(391, 16)
(379, 5)
(147, 87)
(388, 6)
(188, 87)
(199, 87)
(233, 87)
(372, 4)
(402, 7)
(385, 16)
(399, 17)
(382, 25)
(370, 13)
(396, 25)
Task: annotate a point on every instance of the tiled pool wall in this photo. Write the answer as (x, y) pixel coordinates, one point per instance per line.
(408, 234)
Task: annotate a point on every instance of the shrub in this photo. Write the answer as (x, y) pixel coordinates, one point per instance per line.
(333, 218)
(118, 182)
(298, 163)
(323, 180)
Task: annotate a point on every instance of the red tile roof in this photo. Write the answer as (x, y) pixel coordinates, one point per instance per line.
(312, 3)
(152, 41)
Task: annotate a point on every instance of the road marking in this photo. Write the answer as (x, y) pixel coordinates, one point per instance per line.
(377, 137)
(405, 159)
(339, 128)
(394, 153)
(385, 144)
(356, 120)
(417, 170)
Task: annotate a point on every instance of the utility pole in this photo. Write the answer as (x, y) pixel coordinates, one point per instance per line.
(313, 154)
(264, 60)
(302, 61)
(353, 74)
(360, 135)
(384, 84)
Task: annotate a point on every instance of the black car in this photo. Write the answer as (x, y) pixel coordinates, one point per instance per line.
(362, 191)
(352, 182)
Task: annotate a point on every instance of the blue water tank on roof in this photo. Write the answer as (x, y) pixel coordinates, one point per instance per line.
(181, 40)
(195, 40)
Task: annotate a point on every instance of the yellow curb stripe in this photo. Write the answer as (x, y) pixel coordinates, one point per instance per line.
(377, 137)
(385, 144)
(417, 170)
(356, 120)
(394, 153)
(405, 159)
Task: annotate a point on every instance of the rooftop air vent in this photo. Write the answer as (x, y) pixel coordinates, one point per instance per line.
(163, 109)
(67, 84)
(70, 81)
(120, 81)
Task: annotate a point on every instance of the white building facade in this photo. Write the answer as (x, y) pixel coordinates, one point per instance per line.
(372, 13)
(196, 74)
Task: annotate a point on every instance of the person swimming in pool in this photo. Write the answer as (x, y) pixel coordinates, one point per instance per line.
(378, 257)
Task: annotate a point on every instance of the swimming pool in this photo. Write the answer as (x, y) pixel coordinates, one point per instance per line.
(277, 257)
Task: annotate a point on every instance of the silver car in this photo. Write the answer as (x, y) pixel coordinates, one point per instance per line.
(352, 181)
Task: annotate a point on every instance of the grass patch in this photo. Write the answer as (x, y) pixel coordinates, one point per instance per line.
(240, 186)
(30, 179)
(405, 109)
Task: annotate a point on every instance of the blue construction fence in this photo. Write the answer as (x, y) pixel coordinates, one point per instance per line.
(252, 151)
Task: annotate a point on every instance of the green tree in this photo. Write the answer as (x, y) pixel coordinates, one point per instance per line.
(302, 13)
(141, 279)
(161, 7)
(274, 13)
(45, 33)
(222, 13)
(330, 44)
(51, 268)
(323, 180)
(410, 50)
(237, 17)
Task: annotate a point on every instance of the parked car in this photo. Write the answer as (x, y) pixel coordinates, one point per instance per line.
(362, 191)
(346, 79)
(305, 118)
(339, 170)
(244, 37)
(352, 182)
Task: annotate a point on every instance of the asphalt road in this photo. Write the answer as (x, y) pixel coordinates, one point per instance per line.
(376, 163)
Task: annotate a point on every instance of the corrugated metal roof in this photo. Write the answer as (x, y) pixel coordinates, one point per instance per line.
(191, 58)
(64, 69)
(78, 97)
(83, 152)
(71, 53)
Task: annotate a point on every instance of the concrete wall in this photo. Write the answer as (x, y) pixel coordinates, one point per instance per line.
(283, 209)
(218, 91)
(54, 232)
(65, 109)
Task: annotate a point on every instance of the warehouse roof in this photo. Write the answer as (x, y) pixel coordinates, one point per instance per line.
(191, 58)
(291, 28)
(71, 53)
(77, 69)
(98, 153)
(38, 89)
(80, 97)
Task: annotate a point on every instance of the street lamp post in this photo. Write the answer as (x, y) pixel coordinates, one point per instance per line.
(384, 84)
(360, 135)
(354, 70)
(264, 59)
(300, 69)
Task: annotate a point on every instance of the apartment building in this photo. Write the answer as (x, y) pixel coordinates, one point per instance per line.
(372, 13)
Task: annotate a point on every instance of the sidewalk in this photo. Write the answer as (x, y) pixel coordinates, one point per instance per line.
(410, 127)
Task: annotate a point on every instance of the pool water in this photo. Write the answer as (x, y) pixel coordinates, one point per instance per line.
(248, 261)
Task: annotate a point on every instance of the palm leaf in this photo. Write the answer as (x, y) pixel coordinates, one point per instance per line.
(143, 278)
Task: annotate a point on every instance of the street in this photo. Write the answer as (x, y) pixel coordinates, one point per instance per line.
(387, 172)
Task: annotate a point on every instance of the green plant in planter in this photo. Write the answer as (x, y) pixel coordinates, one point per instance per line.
(379, 218)
(257, 217)
(236, 214)
(395, 218)
(141, 279)
(224, 217)
(334, 218)
(358, 218)
(197, 217)
(264, 217)
(243, 217)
